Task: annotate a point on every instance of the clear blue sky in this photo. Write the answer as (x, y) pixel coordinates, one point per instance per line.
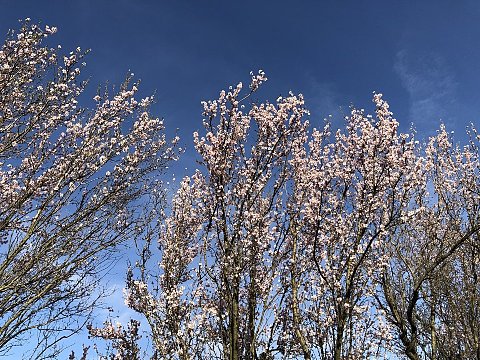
(424, 56)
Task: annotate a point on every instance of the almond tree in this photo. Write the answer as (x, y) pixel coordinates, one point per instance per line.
(222, 246)
(70, 181)
(457, 314)
(429, 288)
(351, 190)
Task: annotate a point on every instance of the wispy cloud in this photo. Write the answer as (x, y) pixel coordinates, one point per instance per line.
(323, 100)
(431, 86)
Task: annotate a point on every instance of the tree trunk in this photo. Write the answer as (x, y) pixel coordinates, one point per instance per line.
(433, 333)
(339, 338)
(233, 326)
(250, 348)
(295, 306)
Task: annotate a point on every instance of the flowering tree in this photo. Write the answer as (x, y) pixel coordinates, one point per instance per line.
(350, 193)
(430, 288)
(222, 246)
(70, 181)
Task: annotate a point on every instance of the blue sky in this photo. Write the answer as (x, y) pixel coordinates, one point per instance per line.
(422, 55)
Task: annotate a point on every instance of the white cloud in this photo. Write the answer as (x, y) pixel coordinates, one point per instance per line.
(431, 87)
(322, 100)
